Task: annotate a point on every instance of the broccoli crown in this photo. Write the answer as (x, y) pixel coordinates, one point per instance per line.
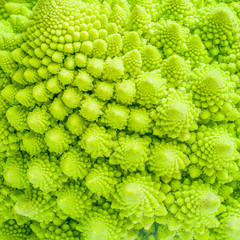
(119, 120)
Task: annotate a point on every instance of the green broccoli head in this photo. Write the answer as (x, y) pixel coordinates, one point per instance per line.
(119, 119)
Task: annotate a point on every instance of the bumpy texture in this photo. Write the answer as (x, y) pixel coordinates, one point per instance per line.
(119, 120)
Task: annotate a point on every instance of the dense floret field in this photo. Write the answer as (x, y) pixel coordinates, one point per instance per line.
(119, 120)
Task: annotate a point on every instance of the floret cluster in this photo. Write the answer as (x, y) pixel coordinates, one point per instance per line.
(119, 120)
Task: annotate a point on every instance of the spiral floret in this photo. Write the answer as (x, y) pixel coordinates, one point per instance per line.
(100, 224)
(36, 205)
(195, 204)
(140, 121)
(218, 29)
(75, 163)
(15, 172)
(168, 36)
(216, 153)
(102, 179)
(137, 197)
(229, 227)
(74, 200)
(176, 70)
(151, 87)
(115, 116)
(176, 116)
(131, 152)
(168, 159)
(58, 139)
(96, 141)
(45, 173)
(211, 88)
(182, 11)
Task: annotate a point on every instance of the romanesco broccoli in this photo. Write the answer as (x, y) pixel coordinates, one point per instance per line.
(119, 120)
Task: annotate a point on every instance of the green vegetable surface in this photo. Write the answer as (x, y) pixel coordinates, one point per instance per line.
(119, 120)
